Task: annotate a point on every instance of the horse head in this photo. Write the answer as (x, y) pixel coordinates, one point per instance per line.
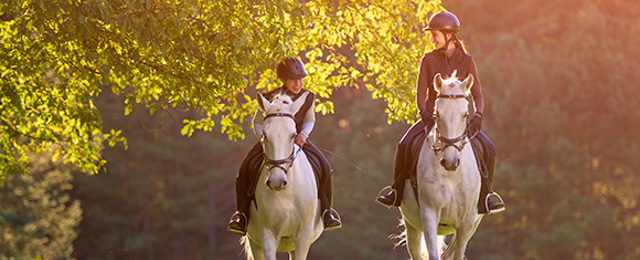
(452, 112)
(278, 137)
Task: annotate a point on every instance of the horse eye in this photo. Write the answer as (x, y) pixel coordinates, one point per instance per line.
(285, 102)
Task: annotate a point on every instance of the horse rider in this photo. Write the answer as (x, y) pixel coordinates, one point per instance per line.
(291, 72)
(449, 55)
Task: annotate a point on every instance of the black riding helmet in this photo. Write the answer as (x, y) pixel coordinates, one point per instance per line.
(291, 68)
(443, 21)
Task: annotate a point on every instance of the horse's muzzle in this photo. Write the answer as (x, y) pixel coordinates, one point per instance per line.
(450, 166)
(281, 185)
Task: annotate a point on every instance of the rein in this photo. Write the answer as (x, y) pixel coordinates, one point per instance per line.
(457, 142)
(287, 162)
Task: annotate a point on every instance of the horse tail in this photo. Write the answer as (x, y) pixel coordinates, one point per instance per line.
(246, 247)
(400, 239)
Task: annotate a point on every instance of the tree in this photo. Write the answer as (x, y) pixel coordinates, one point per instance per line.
(165, 197)
(559, 81)
(197, 54)
(38, 219)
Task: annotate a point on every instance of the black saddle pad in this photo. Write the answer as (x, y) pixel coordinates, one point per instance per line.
(412, 154)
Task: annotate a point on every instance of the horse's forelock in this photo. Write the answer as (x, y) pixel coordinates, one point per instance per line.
(280, 103)
(452, 85)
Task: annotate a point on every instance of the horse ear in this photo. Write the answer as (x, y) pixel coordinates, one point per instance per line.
(263, 103)
(437, 82)
(299, 102)
(467, 83)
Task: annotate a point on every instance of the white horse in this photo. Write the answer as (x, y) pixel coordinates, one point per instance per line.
(286, 215)
(448, 180)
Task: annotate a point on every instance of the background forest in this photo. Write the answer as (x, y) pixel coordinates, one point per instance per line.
(560, 82)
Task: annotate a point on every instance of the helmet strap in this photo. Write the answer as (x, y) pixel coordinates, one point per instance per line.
(447, 40)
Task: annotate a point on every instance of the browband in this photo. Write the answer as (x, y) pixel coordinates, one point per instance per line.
(280, 114)
(452, 96)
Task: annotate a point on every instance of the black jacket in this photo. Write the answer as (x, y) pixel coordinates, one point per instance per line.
(435, 62)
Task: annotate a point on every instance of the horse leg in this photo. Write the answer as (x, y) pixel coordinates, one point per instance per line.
(269, 245)
(302, 246)
(414, 241)
(450, 249)
(430, 220)
(461, 240)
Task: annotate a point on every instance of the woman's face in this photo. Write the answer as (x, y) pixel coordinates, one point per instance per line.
(293, 85)
(437, 38)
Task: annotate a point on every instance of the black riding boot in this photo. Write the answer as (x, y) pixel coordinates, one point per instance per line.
(330, 217)
(240, 219)
(403, 166)
(392, 198)
(245, 186)
(486, 204)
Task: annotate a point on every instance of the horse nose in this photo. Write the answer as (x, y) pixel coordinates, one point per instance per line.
(450, 166)
(277, 186)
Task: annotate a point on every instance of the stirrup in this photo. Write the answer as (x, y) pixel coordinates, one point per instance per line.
(381, 193)
(241, 216)
(331, 210)
(486, 203)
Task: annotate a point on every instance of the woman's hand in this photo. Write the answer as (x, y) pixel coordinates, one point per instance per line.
(301, 139)
(476, 123)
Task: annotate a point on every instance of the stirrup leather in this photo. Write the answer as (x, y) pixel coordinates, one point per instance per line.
(486, 203)
(382, 193)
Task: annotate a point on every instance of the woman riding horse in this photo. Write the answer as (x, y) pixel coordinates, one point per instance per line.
(449, 55)
(291, 72)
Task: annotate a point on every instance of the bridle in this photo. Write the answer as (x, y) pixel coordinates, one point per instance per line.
(458, 142)
(284, 164)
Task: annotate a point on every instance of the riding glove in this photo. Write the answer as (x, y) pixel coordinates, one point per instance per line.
(428, 120)
(476, 123)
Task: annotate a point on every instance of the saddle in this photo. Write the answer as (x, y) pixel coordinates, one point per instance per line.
(412, 154)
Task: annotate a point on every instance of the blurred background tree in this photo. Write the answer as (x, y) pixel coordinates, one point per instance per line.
(38, 217)
(559, 81)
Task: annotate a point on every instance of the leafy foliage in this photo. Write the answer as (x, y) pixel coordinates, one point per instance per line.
(559, 81)
(198, 54)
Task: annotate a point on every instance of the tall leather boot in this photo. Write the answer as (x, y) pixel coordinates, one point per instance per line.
(240, 219)
(485, 203)
(330, 217)
(246, 181)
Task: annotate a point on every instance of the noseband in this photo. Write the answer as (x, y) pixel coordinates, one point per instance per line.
(458, 142)
(285, 163)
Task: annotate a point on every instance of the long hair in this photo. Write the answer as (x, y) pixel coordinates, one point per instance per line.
(459, 43)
